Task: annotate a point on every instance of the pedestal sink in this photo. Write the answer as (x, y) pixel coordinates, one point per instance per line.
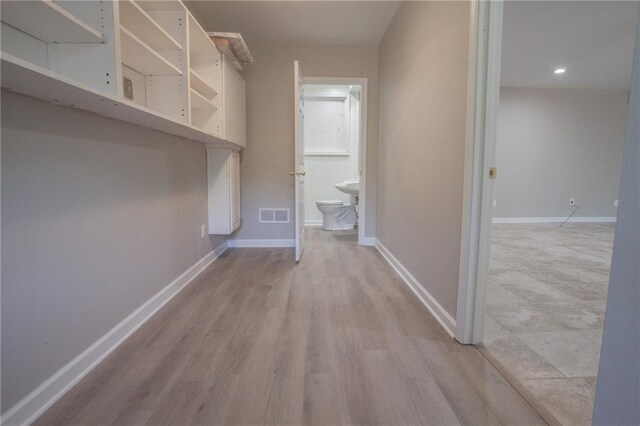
(349, 186)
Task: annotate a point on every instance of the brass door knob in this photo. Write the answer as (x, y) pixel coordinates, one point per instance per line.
(302, 173)
(297, 173)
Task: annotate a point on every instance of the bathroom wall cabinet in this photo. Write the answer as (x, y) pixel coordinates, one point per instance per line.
(223, 174)
(146, 62)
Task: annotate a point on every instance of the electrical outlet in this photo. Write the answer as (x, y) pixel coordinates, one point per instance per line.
(495, 203)
(203, 231)
(572, 202)
(615, 203)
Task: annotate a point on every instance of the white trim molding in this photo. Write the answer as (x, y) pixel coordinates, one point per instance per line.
(447, 322)
(368, 241)
(586, 219)
(362, 144)
(44, 396)
(313, 223)
(261, 243)
(483, 89)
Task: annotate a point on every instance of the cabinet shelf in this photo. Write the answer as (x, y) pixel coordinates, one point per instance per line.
(199, 41)
(199, 85)
(200, 102)
(137, 21)
(46, 21)
(138, 55)
(28, 79)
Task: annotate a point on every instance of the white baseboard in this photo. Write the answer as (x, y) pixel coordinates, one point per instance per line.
(44, 396)
(594, 219)
(367, 241)
(261, 243)
(313, 223)
(439, 313)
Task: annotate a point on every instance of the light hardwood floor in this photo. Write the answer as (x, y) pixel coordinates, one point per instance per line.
(336, 339)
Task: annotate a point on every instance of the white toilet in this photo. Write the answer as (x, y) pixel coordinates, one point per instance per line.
(336, 216)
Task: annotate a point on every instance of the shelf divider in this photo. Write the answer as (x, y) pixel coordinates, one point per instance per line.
(200, 102)
(200, 85)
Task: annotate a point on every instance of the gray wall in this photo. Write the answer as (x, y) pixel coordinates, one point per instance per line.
(618, 389)
(423, 80)
(268, 158)
(97, 216)
(557, 144)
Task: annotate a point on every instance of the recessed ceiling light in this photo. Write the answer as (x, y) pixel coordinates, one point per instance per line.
(559, 70)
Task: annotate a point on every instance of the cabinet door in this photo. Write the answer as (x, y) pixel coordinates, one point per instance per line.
(234, 172)
(234, 105)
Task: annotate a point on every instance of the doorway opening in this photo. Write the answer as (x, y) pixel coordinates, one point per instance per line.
(333, 144)
(538, 239)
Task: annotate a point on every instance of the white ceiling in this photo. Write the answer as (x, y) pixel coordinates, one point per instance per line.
(300, 22)
(592, 40)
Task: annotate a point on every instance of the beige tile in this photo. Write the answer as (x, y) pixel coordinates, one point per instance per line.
(491, 327)
(586, 385)
(518, 358)
(525, 318)
(548, 286)
(566, 401)
(573, 353)
(536, 292)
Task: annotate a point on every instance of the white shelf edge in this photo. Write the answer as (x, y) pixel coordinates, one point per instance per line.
(152, 22)
(145, 47)
(20, 76)
(201, 102)
(94, 36)
(201, 86)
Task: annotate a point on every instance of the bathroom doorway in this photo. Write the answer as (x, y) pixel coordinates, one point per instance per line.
(334, 145)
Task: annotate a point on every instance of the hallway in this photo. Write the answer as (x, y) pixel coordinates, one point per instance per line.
(257, 339)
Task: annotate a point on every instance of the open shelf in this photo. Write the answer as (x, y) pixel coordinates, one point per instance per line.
(200, 85)
(28, 79)
(46, 21)
(199, 41)
(137, 55)
(200, 102)
(136, 20)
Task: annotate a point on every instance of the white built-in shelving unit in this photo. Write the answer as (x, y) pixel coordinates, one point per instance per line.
(133, 16)
(145, 62)
(205, 80)
(48, 22)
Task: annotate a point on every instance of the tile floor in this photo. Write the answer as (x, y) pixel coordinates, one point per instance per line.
(545, 309)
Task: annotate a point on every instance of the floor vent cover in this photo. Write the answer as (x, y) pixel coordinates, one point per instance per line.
(266, 215)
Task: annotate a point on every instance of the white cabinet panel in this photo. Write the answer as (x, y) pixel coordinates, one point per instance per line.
(223, 174)
(234, 93)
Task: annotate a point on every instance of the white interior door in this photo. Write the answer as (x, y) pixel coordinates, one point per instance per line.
(298, 171)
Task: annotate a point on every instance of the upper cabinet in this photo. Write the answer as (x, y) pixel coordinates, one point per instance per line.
(147, 62)
(234, 91)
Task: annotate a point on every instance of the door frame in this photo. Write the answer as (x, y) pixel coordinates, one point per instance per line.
(362, 144)
(483, 90)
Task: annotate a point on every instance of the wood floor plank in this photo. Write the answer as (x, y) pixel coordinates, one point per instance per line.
(259, 339)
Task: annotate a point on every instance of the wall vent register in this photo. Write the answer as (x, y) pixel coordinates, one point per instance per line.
(271, 215)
